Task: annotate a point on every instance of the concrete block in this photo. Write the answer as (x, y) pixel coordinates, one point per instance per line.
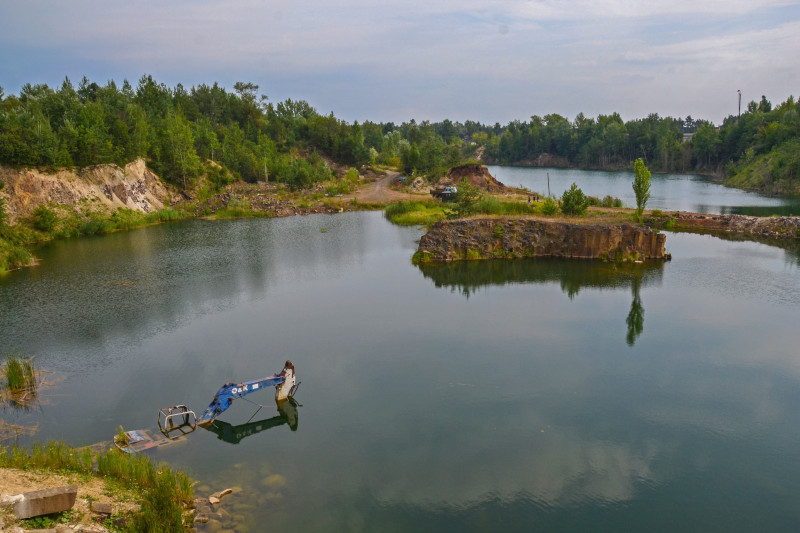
(46, 501)
(102, 508)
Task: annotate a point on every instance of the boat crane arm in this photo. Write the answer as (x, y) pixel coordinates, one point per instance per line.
(284, 382)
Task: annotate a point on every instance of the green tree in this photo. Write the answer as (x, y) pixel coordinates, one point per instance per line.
(641, 186)
(181, 159)
(573, 201)
(467, 196)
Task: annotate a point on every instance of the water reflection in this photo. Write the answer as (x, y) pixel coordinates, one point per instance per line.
(227, 432)
(466, 277)
(635, 320)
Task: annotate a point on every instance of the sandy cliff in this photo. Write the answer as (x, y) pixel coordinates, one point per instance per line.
(135, 187)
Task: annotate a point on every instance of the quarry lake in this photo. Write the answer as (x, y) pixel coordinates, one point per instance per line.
(669, 192)
(525, 395)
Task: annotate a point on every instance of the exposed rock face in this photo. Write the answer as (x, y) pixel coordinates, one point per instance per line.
(486, 238)
(135, 187)
(477, 175)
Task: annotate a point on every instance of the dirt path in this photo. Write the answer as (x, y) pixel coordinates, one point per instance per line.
(379, 192)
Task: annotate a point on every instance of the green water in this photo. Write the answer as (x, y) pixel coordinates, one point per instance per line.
(485, 396)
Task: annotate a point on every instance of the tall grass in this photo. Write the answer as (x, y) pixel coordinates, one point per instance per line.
(54, 456)
(489, 205)
(165, 492)
(19, 374)
(414, 212)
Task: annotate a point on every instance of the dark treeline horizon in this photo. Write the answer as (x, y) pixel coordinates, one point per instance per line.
(179, 131)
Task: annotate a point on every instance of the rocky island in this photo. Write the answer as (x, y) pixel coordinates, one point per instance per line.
(488, 238)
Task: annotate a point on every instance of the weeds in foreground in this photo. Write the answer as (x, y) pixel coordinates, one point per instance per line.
(165, 492)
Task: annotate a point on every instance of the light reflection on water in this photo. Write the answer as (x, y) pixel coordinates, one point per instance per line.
(474, 396)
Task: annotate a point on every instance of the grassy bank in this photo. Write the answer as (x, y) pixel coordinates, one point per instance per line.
(426, 212)
(164, 494)
(48, 223)
(776, 172)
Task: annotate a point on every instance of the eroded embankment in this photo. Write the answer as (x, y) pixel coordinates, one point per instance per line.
(488, 238)
(135, 187)
(787, 227)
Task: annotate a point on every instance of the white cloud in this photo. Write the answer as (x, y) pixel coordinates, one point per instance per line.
(468, 59)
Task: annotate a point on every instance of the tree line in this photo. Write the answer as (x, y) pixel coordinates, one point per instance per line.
(181, 131)
(665, 144)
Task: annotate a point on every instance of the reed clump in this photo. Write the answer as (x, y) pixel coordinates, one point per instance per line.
(19, 374)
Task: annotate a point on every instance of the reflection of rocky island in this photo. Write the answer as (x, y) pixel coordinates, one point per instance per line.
(234, 434)
(508, 238)
(468, 276)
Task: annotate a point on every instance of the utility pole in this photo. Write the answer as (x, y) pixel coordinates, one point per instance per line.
(740, 102)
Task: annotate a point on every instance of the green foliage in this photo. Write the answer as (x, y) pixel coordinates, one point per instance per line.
(489, 205)
(498, 231)
(352, 175)
(414, 212)
(165, 492)
(467, 199)
(549, 207)
(573, 201)
(49, 521)
(53, 456)
(641, 186)
(777, 172)
(19, 373)
(44, 219)
(606, 201)
(177, 129)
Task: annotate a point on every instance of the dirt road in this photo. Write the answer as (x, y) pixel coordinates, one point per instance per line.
(379, 192)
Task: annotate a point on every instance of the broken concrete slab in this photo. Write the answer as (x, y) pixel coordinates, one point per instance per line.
(46, 501)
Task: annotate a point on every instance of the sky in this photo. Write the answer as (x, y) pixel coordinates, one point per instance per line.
(394, 60)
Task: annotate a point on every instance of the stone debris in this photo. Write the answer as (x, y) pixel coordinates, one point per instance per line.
(102, 508)
(221, 493)
(46, 501)
(784, 227)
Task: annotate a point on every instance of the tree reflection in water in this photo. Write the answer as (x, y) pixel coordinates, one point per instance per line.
(466, 277)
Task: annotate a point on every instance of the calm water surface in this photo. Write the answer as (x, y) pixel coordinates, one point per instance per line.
(485, 396)
(672, 192)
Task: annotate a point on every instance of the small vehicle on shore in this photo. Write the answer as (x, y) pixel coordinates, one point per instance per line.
(445, 194)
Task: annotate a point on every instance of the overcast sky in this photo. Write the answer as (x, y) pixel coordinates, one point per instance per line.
(393, 60)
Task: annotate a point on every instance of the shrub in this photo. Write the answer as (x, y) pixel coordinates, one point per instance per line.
(14, 257)
(352, 175)
(467, 198)
(573, 201)
(44, 219)
(549, 207)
